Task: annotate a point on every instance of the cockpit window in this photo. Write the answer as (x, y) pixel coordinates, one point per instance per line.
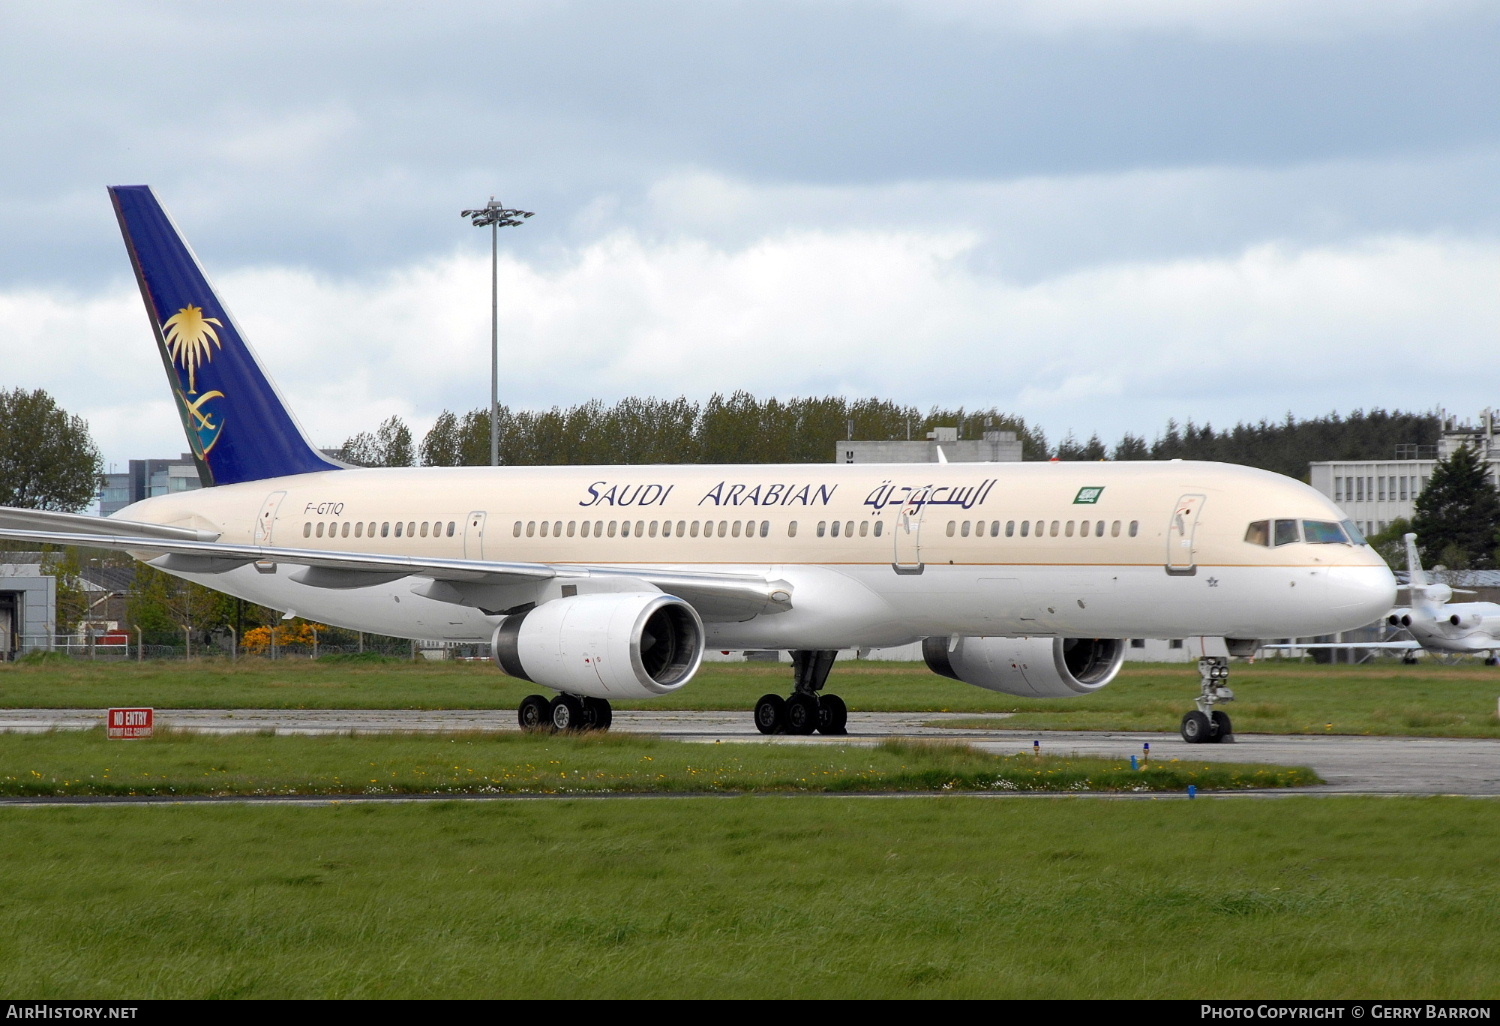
(1259, 533)
(1287, 533)
(1354, 533)
(1323, 532)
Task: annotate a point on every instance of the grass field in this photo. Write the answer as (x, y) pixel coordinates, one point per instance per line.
(182, 764)
(1275, 697)
(755, 897)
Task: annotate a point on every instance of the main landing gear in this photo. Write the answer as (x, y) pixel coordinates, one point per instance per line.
(1207, 725)
(805, 710)
(565, 712)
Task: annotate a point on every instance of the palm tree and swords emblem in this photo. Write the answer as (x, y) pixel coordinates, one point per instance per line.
(190, 339)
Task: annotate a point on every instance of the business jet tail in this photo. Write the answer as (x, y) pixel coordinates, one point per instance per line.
(237, 425)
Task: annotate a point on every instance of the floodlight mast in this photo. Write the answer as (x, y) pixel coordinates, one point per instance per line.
(495, 216)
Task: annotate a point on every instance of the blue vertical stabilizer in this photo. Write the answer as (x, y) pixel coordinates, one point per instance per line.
(237, 425)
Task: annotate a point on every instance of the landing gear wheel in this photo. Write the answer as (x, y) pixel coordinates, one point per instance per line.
(1492, 661)
(1223, 727)
(567, 713)
(801, 714)
(833, 714)
(597, 714)
(1196, 729)
(535, 713)
(770, 714)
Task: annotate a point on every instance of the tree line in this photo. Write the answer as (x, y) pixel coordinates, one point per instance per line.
(740, 428)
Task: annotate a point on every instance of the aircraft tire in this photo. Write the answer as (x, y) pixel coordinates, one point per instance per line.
(567, 713)
(597, 714)
(801, 714)
(535, 713)
(1196, 729)
(1223, 727)
(770, 714)
(833, 715)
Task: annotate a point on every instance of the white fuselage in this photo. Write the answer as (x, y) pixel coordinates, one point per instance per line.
(874, 555)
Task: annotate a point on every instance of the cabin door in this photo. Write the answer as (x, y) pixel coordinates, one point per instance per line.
(474, 536)
(1182, 557)
(266, 522)
(907, 536)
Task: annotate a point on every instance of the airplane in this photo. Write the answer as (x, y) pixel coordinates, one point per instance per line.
(606, 583)
(1463, 628)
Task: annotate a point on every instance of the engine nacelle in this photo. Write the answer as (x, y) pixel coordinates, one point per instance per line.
(613, 645)
(1028, 667)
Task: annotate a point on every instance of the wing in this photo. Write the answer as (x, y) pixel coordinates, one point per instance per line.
(490, 585)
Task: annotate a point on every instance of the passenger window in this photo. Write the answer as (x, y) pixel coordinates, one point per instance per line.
(1259, 533)
(681, 528)
(791, 529)
(1099, 529)
(1323, 532)
(1010, 529)
(693, 530)
(424, 529)
(1083, 529)
(584, 530)
(822, 528)
(1114, 529)
(624, 528)
(411, 528)
(320, 529)
(1135, 525)
(1025, 528)
(451, 525)
(557, 529)
(612, 526)
(572, 525)
(518, 529)
(544, 528)
(864, 528)
(1068, 530)
(307, 529)
(400, 525)
(879, 527)
(1287, 533)
(359, 529)
(765, 528)
(723, 527)
(652, 529)
(736, 530)
(963, 530)
(1054, 528)
(835, 531)
(344, 532)
(640, 528)
(372, 529)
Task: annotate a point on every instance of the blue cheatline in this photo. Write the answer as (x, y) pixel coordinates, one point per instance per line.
(237, 425)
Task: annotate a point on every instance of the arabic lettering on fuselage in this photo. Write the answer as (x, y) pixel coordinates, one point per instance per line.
(916, 496)
(725, 493)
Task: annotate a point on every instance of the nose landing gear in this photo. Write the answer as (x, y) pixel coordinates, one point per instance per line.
(1207, 725)
(806, 710)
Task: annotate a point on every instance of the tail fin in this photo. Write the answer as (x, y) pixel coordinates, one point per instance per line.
(236, 422)
(1416, 576)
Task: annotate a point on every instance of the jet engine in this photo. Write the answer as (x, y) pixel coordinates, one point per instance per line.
(611, 646)
(1029, 667)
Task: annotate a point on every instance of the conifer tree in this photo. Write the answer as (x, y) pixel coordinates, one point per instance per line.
(1458, 513)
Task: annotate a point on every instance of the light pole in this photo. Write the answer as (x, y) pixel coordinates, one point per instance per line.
(495, 216)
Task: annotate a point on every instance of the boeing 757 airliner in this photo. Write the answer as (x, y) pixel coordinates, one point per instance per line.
(607, 583)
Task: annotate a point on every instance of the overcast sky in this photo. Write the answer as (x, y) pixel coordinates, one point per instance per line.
(1097, 214)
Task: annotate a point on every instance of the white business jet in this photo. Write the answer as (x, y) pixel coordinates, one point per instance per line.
(606, 583)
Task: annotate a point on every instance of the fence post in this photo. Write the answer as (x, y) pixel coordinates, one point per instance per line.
(187, 640)
(315, 641)
(234, 643)
(140, 646)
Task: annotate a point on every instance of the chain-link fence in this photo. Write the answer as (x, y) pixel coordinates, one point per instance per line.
(120, 647)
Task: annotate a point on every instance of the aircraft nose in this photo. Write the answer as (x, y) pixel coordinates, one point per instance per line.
(1366, 593)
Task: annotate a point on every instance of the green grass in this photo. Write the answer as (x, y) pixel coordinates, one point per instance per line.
(771, 897)
(182, 764)
(1275, 697)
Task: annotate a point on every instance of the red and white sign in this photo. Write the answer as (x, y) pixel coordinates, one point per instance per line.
(131, 723)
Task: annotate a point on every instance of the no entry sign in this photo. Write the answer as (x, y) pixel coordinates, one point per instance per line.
(130, 723)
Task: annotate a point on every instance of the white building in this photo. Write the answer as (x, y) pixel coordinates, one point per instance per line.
(1373, 493)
